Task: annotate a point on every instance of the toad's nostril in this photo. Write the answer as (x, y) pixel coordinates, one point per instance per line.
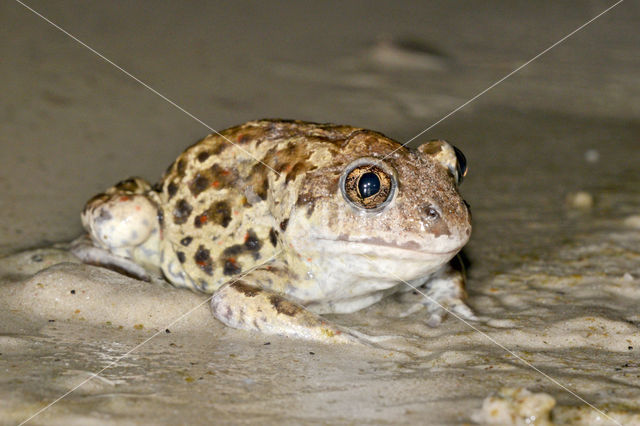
(431, 213)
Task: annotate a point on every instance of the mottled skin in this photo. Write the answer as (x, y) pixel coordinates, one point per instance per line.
(280, 240)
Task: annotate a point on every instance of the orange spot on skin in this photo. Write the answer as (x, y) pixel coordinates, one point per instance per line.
(308, 259)
(246, 237)
(236, 212)
(225, 172)
(215, 184)
(125, 198)
(203, 219)
(138, 208)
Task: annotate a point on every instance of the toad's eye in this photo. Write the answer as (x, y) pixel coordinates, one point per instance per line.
(367, 186)
(462, 164)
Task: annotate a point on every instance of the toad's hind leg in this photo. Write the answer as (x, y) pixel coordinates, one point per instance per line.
(265, 300)
(123, 230)
(249, 307)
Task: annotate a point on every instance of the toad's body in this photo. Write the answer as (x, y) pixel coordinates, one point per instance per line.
(284, 220)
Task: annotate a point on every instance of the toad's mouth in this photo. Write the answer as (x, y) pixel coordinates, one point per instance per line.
(377, 247)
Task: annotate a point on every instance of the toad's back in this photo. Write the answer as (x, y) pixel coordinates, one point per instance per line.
(224, 207)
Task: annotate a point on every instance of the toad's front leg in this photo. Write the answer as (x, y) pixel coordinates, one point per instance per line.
(440, 294)
(247, 304)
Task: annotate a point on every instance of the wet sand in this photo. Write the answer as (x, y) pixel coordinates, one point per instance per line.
(554, 185)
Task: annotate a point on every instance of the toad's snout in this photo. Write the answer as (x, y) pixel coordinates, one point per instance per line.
(453, 220)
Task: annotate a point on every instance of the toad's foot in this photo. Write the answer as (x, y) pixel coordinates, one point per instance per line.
(83, 248)
(248, 307)
(442, 294)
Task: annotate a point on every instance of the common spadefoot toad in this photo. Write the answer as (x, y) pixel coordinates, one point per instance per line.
(285, 220)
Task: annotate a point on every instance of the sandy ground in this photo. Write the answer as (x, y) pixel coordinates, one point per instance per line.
(554, 186)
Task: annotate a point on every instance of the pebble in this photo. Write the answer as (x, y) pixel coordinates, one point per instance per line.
(633, 221)
(592, 156)
(580, 200)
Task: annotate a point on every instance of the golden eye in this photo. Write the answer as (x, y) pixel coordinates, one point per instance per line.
(367, 186)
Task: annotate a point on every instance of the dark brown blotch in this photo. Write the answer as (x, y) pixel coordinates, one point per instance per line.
(284, 224)
(181, 212)
(273, 237)
(290, 160)
(243, 138)
(259, 181)
(233, 250)
(275, 270)
(202, 157)
(181, 256)
(251, 241)
(186, 241)
(296, 170)
(220, 146)
(200, 220)
(214, 177)
(306, 200)
(221, 177)
(284, 306)
(127, 185)
(251, 244)
(231, 267)
(181, 167)
(199, 184)
(246, 289)
(172, 189)
(219, 213)
(203, 260)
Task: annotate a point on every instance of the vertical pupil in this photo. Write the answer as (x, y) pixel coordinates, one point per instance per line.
(368, 185)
